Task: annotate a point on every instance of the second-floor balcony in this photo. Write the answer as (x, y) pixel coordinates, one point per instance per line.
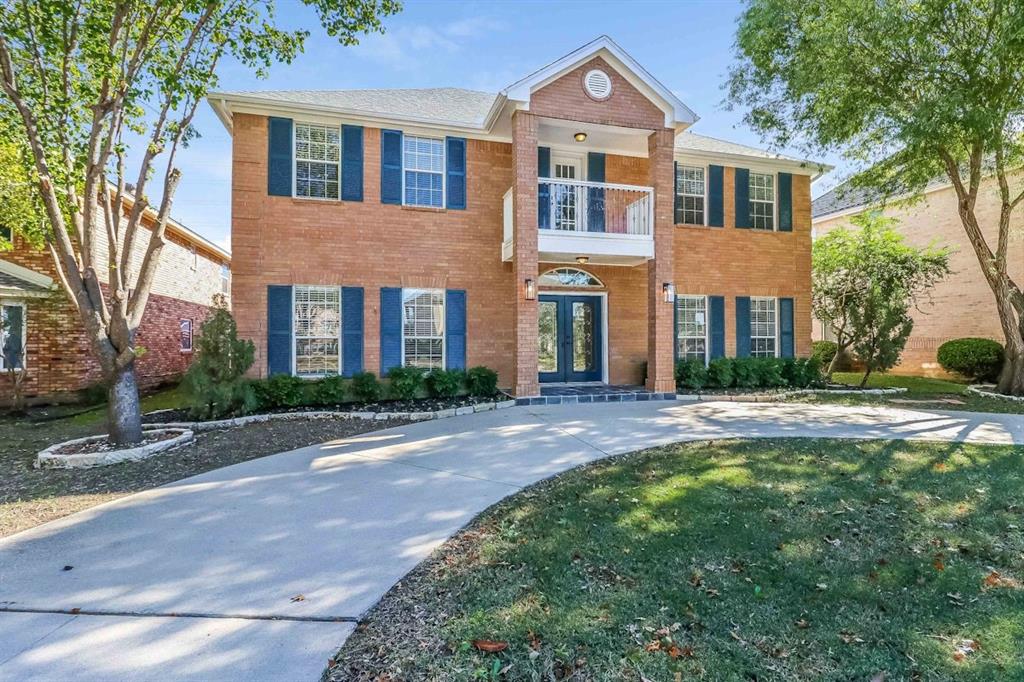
(603, 222)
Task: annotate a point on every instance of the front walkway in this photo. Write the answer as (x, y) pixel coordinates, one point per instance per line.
(259, 570)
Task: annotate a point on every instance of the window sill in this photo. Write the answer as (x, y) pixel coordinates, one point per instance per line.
(694, 226)
(428, 209)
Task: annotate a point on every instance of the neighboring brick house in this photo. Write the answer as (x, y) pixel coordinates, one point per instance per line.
(543, 231)
(46, 335)
(958, 306)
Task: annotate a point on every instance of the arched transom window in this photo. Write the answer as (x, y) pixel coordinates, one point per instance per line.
(569, 277)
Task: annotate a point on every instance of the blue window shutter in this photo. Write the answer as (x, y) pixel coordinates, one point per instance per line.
(716, 196)
(279, 157)
(742, 194)
(351, 330)
(543, 189)
(14, 332)
(786, 346)
(785, 202)
(351, 163)
(677, 201)
(742, 326)
(717, 326)
(391, 166)
(455, 329)
(595, 195)
(456, 160)
(279, 330)
(390, 329)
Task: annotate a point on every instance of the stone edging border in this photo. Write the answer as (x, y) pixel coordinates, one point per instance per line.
(775, 397)
(50, 459)
(985, 392)
(199, 427)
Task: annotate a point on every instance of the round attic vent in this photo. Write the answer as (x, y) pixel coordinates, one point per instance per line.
(597, 84)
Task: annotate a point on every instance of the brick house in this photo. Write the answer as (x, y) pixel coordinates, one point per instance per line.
(567, 229)
(46, 337)
(960, 305)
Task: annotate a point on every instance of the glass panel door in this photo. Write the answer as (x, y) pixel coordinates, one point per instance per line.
(564, 199)
(569, 338)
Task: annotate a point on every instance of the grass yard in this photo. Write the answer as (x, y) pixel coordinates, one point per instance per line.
(922, 392)
(730, 560)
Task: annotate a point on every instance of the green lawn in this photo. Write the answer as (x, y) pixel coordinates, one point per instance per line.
(766, 560)
(925, 393)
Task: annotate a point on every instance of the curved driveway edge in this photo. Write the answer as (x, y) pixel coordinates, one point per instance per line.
(274, 558)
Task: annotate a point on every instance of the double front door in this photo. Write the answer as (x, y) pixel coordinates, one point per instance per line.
(569, 342)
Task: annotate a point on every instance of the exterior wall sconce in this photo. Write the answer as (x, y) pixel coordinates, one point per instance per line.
(580, 137)
(668, 292)
(531, 290)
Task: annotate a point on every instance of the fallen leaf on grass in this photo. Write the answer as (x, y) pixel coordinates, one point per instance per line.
(803, 623)
(850, 637)
(996, 579)
(965, 648)
(489, 646)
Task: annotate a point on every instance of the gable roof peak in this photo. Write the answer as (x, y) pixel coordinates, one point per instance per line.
(677, 114)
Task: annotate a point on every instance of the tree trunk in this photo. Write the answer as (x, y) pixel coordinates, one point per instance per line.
(124, 412)
(834, 363)
(864, 381)
(1011, 378)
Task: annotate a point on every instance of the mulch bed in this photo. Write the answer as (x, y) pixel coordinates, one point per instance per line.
(30, 496)
(102, 445)
(420, 405)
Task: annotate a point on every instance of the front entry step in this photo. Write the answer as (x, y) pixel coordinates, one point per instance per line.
(570, 394)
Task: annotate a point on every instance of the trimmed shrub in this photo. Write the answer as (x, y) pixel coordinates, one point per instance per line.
(720, 374)
(824, 351)
(330, 391)
(745, 372)
(769, 372)
(445, 383)
(366, 388)
(215, 381)
(482, 381)
(406, 382)
(280, 390)
(976, 359)
(691, 374)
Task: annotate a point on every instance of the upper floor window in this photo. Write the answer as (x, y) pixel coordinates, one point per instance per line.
(762, 201)
(690, 202)
(424, 171)
(692, 327)
(317, 330)
(317, 161)
(423, 328)
(763, 327)
(225, 278)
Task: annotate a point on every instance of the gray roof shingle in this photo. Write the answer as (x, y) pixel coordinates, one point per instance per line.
(469, 107)
(844, 197)
(703, 143)
(10, 282)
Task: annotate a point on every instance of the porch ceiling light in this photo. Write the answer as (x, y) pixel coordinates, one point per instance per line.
(530, 290)
(582, 260)
(668, 290)
(580, 137)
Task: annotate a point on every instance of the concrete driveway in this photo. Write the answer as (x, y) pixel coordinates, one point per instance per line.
(260, 570)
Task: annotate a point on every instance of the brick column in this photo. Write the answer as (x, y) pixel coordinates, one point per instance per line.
(660, 370)
(524, 259)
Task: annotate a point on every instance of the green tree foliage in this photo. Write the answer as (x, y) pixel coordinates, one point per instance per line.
(910, 91)
(83, 79)
(216, 381)
(864, 282)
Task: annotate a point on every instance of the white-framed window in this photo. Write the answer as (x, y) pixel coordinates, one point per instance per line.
(692, 327)
(690, 185)
(12, 335)
(423, 169)
(764, 327)
(317, 161)
(423, 328)
(225, 278)
(186, 335)
(317, 330)
(762, 201)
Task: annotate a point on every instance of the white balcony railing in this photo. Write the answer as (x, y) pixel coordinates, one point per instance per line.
(612, 223)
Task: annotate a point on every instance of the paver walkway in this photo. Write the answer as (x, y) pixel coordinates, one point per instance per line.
(259, 570)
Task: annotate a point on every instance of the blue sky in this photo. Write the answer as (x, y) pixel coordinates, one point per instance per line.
(483, 46)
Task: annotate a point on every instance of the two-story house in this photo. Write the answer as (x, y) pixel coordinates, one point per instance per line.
(569, 228)
(43, 337)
